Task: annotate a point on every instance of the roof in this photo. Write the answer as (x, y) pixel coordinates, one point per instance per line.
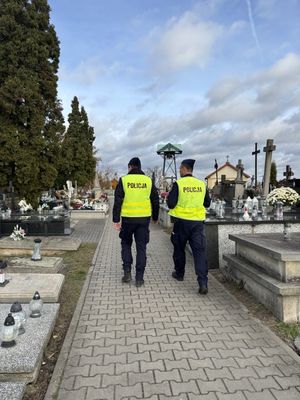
(227, 164)
(169, 147)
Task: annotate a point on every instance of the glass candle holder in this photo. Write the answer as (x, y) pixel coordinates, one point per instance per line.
(19, 316)
(9, 332)
(36, 256)
(36, 306)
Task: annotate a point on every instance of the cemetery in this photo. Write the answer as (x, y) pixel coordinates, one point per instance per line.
(253, 237)
(70, 326)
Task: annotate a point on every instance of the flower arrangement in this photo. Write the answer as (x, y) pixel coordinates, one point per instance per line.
(18, 233)
(286, 195)
(76, 204)
(24, 206)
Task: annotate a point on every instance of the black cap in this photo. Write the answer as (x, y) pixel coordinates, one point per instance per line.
(36, 296)
(9, 320)
(135, 162)
(188, 163)
(16, 307)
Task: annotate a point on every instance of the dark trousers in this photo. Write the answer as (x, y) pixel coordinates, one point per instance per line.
(140, 232)
(192, 231)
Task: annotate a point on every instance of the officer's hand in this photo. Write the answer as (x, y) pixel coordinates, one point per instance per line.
(154, 222)
(117, 226)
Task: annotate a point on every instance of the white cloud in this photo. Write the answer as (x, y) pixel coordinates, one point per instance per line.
(184, 42)
(238, 113)
(91, 70)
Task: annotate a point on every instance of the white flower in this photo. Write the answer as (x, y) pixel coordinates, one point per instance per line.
(18, 233)
(286, 195)
(24, 205)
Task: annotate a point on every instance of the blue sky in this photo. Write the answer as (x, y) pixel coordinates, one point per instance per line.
(214, 75)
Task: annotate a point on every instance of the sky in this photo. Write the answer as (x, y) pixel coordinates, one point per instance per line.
(215, 76)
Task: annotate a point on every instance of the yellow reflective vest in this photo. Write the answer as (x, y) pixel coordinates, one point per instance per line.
(137, 189)
(191, 193)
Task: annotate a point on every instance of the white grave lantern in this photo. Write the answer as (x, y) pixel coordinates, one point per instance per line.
(9, 332)
(19, 316)
(36, 305)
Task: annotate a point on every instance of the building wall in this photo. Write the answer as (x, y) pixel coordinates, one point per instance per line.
(229, 173)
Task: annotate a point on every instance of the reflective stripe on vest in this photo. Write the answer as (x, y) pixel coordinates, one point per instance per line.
(191, 193)
(137, 189)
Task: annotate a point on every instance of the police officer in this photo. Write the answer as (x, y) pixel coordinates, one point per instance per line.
(187, 201)
(136, 199)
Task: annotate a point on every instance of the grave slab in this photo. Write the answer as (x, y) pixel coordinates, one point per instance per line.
(49, 246)
(21, 287)
(47, 265)
(276, 257)
(12, 390)
(21, 363)
(268, 268)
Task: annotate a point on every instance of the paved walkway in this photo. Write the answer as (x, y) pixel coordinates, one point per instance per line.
(89, 230)
(164, 341)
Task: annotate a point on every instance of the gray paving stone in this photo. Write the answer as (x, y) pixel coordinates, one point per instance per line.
(231, 396)
(152, 365)
(263, 395)
(161, 376)
(290, 394)
(156, 388)
(72, 394)
(287, 382)
(238, 384)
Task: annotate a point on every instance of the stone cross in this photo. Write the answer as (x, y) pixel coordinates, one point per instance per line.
(288, 172)
(270, 147)
(254, 153)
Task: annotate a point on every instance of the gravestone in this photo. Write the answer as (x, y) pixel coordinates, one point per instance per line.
(21, 363)
(50, 245)
(268, 161)
(269, 268)
(22, 286)
(47, 265)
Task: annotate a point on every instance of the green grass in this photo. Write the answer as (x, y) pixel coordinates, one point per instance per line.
(288, 330)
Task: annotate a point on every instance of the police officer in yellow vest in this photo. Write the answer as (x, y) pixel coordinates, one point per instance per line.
(187, 201)
(136, 200)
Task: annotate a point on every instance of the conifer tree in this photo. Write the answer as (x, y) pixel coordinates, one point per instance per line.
(273, 174)
(31, 122)
(77, 157)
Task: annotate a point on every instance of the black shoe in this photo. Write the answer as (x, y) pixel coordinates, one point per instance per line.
(127, 277)
(177, 277)
(139, 283)
(203, 290)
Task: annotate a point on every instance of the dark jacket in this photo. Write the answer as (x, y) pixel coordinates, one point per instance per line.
(172, 198)
(120, 194)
